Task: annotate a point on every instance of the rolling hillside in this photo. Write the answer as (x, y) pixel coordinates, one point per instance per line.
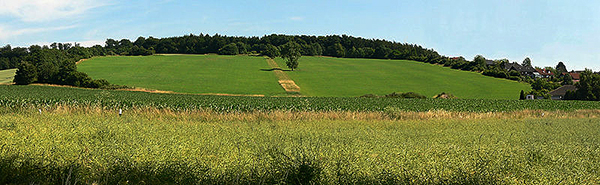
(316, 76)
(326, 76)
(187, 73)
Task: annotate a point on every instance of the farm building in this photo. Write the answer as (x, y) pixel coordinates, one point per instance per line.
(559, 93)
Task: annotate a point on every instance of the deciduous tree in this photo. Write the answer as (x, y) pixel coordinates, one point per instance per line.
(291, 53)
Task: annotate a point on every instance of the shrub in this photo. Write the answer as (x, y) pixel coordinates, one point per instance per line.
(26, 74)
(408, 95)
(229, 49)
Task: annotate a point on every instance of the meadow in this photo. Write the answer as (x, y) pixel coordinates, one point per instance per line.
(316, 76)
(85, 145)
(187, 73)
(327, 76)
(7, 75)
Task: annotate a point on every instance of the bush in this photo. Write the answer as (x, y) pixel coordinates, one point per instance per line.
(229, 49)
(26, 74)
(408, 95)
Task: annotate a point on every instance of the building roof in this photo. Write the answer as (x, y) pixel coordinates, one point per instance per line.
(518, 67)
(489, 62)
(544, 72)
(561, 91)
(575, 76)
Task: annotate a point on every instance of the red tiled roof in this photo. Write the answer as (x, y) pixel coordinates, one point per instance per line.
(575, 76)
(544, 72)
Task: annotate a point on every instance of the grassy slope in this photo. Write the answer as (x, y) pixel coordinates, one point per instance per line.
(324, 76)
(187, 73)
(156, 148)
(7, 75)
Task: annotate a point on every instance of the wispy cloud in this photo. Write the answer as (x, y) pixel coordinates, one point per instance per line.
(297, 18)
(47, 10)
(7, 33)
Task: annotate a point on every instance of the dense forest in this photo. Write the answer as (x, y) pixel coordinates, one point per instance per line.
(56, 63)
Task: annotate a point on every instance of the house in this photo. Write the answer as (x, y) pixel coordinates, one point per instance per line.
(559, 93)
(523, 70)
(543, 73)
(490, 63)
(575, 76)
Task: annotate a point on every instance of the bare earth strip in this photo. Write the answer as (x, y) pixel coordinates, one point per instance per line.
(284, 80)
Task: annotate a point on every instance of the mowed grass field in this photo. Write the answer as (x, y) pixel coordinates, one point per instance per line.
(326, 76)
(187, 73)
(316, 76)
(7, 75)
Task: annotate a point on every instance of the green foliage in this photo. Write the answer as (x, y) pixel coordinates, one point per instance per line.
(522, 95)
(588, 87)
(229, 49)
(544, 84)
(527, 62)
(408, 95)
(271, 51)
(26, 74)
(495, 72)
(291, 53)
(337, 50)
(561, 68)
(567, 80)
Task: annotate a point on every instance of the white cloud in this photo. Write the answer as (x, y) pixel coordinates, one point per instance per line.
(46, 10)
(7, 33)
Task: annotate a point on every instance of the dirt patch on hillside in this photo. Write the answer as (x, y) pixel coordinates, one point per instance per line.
(289, 86)
(284, 80)
(80, 61)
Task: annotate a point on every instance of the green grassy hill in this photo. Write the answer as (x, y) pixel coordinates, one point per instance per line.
(326, 76)
(187, 73)
(7, 75)
(317, 76)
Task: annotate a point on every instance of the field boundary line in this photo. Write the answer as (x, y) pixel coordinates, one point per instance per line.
(283, 79)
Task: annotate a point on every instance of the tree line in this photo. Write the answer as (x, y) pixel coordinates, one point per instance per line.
(56, 63)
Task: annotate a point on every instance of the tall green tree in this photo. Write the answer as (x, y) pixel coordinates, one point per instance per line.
(26, 74)
(561, 68)
(271, 51)
(291, 53)
(527, 62)
(588, 87)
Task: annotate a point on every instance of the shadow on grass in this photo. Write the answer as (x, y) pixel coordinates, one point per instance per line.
(285, 169)
(275, 69)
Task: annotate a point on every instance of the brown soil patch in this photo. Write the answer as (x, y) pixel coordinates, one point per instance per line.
(80, 61)
(284, 80)
(289, 86)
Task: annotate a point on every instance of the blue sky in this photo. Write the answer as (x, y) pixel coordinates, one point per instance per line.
(547, 31)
